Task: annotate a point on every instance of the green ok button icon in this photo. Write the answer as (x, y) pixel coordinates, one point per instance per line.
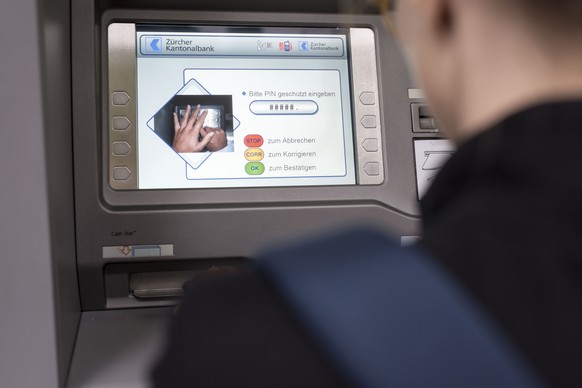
(255, 168)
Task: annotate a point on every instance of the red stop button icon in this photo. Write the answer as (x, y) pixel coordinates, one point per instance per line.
(253, 140)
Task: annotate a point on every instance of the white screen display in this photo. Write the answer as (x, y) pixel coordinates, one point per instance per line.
(237, 109)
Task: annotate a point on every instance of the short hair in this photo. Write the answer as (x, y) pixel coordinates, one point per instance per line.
(558, 15)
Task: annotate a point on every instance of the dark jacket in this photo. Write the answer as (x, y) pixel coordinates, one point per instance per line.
(504, 216)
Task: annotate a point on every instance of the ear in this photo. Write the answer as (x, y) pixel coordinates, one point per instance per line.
(442, 16)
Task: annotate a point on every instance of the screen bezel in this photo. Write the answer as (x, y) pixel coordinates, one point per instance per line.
(247, 195)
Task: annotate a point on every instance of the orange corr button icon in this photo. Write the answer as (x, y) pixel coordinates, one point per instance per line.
(254, 154)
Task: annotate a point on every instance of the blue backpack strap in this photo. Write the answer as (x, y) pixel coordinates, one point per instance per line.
(388, 316)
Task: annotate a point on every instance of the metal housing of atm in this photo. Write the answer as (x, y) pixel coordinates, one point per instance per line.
(100, 321)
(222, 224)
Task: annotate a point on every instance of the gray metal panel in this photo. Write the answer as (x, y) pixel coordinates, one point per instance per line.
(59, 169)
(38, 288)
(366, 107)
(122, 68)
(115, 349)
(319, 6)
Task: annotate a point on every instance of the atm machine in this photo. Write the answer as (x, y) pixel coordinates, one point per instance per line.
(323, 130)
(320, 128)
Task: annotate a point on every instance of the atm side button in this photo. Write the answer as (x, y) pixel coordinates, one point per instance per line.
(120, 123)
(369, 121)
(121, 173)
(120, 148)
(372, 168)
(370, 145)
(120, 98)
(368, 98)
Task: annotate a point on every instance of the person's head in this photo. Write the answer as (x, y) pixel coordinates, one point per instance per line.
(481, 59)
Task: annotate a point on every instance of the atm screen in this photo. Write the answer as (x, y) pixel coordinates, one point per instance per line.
(219, 107)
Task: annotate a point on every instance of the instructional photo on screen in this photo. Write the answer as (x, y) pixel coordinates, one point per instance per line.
(191, 118)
